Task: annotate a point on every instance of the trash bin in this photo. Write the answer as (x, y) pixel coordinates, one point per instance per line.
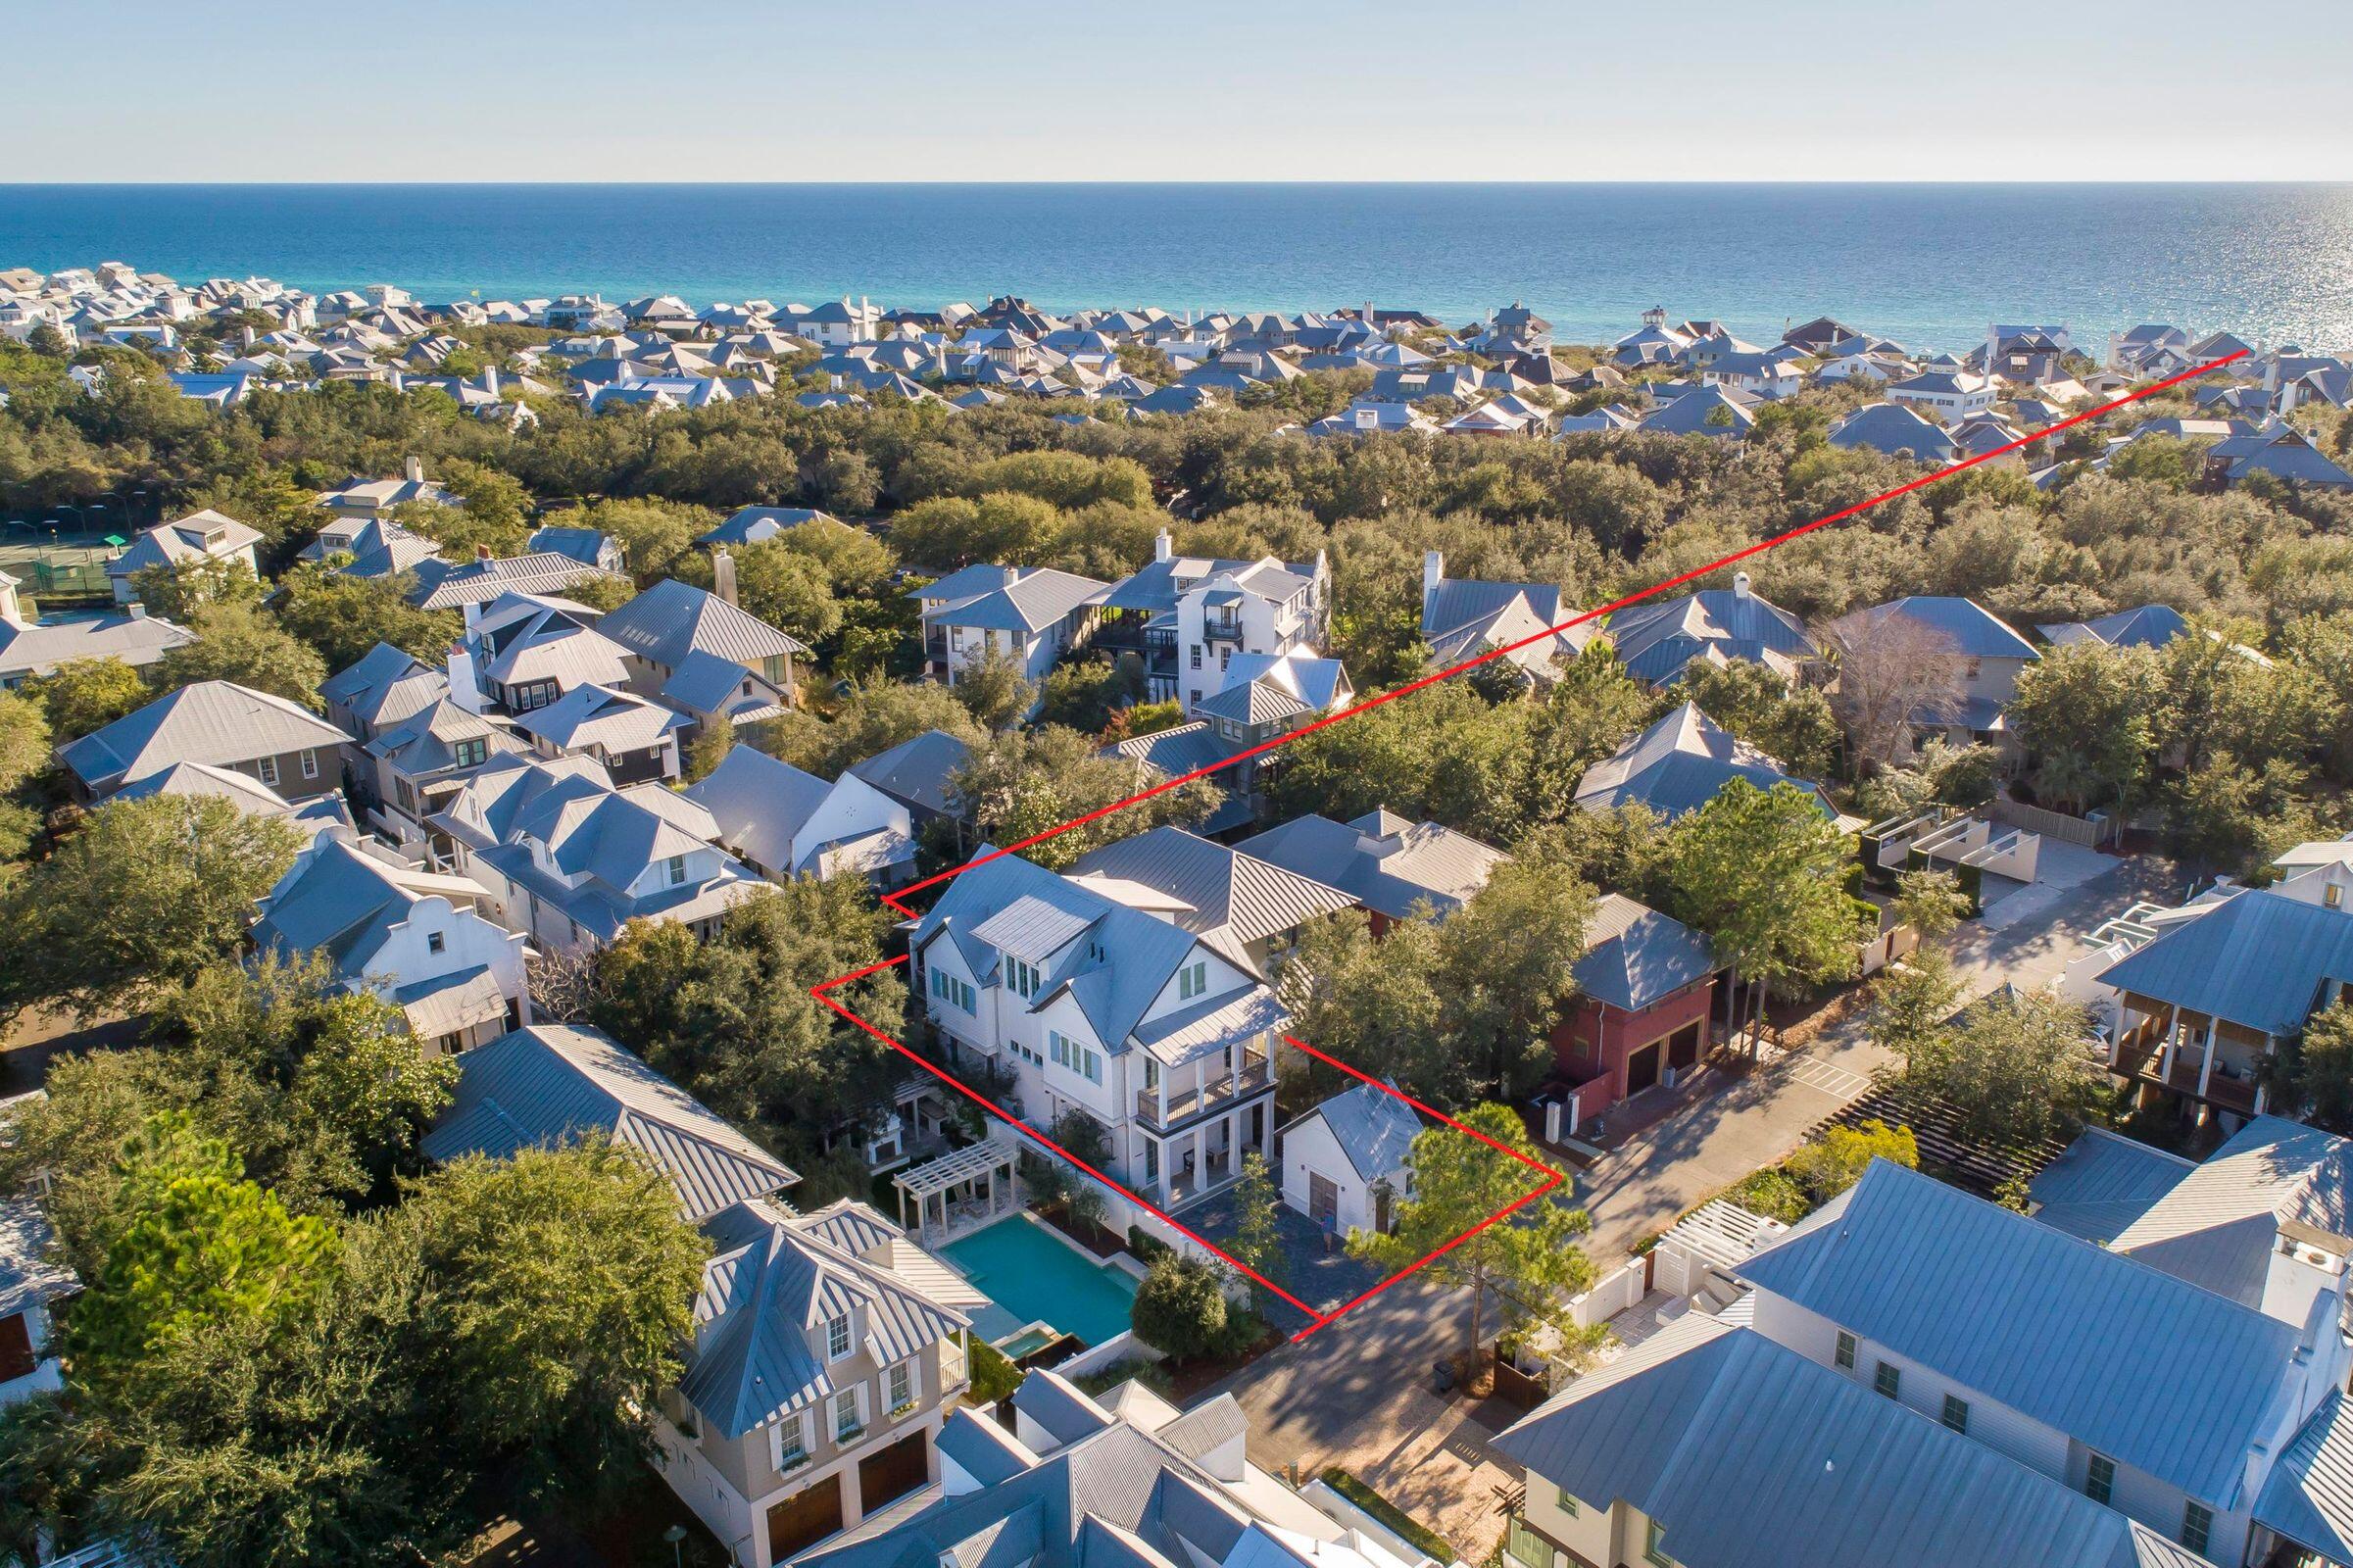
(1441, 1375)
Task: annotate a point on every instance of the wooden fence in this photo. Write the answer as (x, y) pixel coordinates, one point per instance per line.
(2054, 824)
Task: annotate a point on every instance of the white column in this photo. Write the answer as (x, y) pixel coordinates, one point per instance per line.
(2165, 1057)
(1161, 1160)
(2206, 1061)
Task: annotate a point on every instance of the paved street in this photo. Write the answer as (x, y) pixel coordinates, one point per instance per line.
(1359, 1395)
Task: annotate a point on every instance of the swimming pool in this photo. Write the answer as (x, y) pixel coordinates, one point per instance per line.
(1034, 1278)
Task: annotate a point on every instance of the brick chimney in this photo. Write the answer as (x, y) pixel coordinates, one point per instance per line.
(723, 574)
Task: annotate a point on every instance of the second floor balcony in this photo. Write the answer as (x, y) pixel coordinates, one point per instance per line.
(1204, 1085)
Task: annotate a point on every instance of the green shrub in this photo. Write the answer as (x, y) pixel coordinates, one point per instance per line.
(994, 1378)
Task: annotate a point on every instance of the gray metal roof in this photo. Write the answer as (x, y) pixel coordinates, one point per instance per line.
(552, 1084)
(1120, 1475)
(1384, 862)
(2309, 1495)
(1222, 890)
(1635, 956)
(1750, 1456)
(1057, 1404)
(2220, 1222)
(981, 1447)
(211, 721)
(673, 618)
(917, 772)
(2081, 1339)
(2149, 627)
(1036, 599)
(773, 1281)
(2257, 959)
(29, 1275)
(2102, 1183)
(1679, 764)
(1374, 1130)
(759, 804)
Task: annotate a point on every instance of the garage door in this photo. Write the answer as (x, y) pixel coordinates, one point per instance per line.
(893, 1472)
(1684, 1049)
(805, 1518)
(1323, 1201)
(1642, 1069)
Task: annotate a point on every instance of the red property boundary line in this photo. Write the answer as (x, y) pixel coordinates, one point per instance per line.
(1552, 1179)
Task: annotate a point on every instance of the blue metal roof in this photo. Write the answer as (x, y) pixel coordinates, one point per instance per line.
(1750, 1456)
(1970, 628)
(2257, 959)
(2103, 1183)
(2079, 1339)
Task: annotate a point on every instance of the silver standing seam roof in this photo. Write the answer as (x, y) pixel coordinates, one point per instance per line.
(2309, 1495)
(553, 1084)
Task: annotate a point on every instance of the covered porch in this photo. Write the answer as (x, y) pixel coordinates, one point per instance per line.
(2212, 1061)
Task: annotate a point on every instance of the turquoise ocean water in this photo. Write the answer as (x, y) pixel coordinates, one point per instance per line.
(1929, 264)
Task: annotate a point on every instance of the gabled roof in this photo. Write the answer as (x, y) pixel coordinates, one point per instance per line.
(1039, 915)
(761, 805)
(1679, 764)
(2258, 959)
(1967, 626)
(1655, 641)
(210, 721)
(1375, 1130)
(2101, 1184)
(1270, 688)
(198, 536)
(2149, 627)
(341, 901)
(442, 586)
(1028, 603)
(553, 1084)
(2308, 1497)
(1227, 896)
(1890, 427)
(2221, 1221)
(917, 772)
(1752, 1457)
(673, 618)
(748, 522)
(2079, 1339)
(1635, 956)
(607, 718)
(1383, 862)
(38, 648)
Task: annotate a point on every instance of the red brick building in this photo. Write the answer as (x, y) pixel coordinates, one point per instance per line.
(1647, 985)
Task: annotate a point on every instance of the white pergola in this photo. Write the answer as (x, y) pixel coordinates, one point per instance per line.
(983, 1171)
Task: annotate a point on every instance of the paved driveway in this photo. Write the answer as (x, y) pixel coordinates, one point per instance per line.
(1358, 1394)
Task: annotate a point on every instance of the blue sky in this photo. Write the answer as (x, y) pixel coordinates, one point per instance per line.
(130, 90)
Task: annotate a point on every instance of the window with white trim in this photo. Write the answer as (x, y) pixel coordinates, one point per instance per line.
(837, 1337)
(268, 769)
(1020, 976)
(1525, 1546)
(309, 763)
(901, 1385)
(677, 869)
(790, 1444)
(1844, 1354)
(847, 1422)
